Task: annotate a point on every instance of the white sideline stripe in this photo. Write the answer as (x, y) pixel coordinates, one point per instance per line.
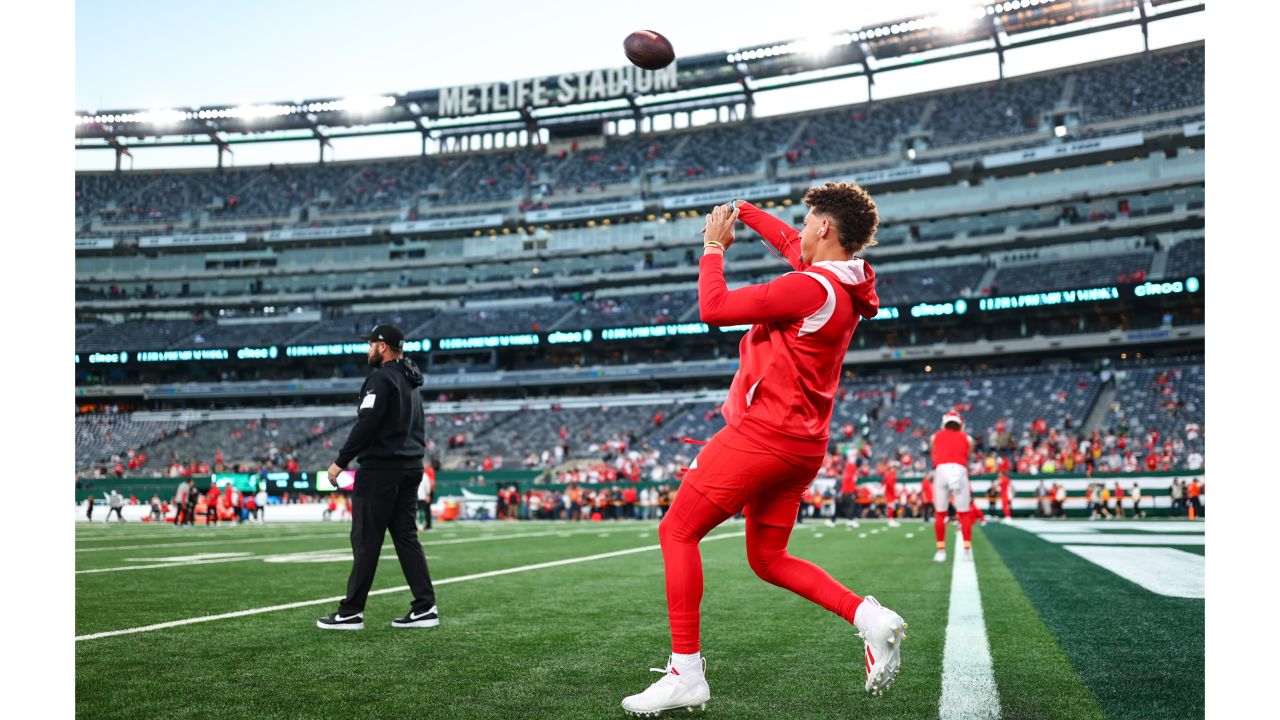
(213, 561)
(385, 591)
(206, 543)
(171, 534)
(247, 541)
(968, 682)
(495, 530)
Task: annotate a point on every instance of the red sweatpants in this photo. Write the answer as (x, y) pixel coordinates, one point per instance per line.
(733, 473)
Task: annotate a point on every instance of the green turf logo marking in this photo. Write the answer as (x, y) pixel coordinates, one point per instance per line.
(1139, 552)
(1162, 570)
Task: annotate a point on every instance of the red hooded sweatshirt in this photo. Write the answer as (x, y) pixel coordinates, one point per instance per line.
(801, 325)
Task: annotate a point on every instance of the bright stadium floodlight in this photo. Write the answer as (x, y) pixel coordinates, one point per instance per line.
(163, 118)
(1060, 131)
(255, 112)
(958, 20)
(366, 104)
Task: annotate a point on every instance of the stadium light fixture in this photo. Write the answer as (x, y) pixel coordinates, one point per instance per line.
(955, 21)
(164, 118)
(1060, 131)
(255, 112)
(366, 104)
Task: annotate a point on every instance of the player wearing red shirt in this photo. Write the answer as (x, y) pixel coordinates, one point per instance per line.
(890, 482)
(1006, 496)
(848, 492)
(777, 424)
(950, 448)
(211, 504)
(926, 498)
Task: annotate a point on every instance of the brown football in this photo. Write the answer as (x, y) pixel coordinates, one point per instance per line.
(648, 49)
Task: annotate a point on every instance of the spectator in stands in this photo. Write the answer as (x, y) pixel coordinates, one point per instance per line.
(1195, 461)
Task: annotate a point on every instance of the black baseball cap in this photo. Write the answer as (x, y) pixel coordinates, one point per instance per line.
(389, 334)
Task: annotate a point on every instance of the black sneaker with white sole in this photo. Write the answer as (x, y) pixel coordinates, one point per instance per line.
(428, 619)
(338, 621)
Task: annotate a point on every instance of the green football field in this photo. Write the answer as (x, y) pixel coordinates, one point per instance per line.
(560, 620)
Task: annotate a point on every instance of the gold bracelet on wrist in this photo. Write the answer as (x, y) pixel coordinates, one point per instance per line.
(713, 243)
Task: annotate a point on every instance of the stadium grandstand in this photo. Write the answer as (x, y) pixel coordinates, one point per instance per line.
(1040, 267)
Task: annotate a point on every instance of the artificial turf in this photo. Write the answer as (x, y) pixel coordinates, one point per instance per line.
(557, 642)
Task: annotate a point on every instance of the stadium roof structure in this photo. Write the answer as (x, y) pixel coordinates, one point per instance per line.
(568, 101)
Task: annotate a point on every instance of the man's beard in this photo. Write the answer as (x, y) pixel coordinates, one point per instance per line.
(375, 361)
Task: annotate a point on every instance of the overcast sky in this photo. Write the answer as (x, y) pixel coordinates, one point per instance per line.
(163, 54)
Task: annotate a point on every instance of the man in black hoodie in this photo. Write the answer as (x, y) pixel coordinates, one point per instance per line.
(390, 441)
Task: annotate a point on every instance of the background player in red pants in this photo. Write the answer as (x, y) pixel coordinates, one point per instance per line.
(777, 419)
(1006, 496)
(950, 448)
(890, 482)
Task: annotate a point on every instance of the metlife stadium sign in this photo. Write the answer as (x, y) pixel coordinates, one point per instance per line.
(566, 89)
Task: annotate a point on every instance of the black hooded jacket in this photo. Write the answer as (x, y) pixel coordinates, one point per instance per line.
(389, 432)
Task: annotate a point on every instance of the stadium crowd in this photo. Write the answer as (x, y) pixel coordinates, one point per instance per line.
(409, 188)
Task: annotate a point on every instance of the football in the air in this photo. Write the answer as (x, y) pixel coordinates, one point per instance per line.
(649, 50)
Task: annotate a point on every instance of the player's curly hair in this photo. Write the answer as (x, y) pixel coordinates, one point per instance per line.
(852, 210)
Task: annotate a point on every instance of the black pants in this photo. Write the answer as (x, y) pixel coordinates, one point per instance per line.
(386, 500)
(115, 510)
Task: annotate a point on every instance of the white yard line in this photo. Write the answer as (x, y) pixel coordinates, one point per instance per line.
(495, 530)
(82, 538)
(213, 561)
(210, 561)
(209, 543)
(968, 682)
(385, 591)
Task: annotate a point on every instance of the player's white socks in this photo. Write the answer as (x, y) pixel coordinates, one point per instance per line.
(688, 665)
(864, 612)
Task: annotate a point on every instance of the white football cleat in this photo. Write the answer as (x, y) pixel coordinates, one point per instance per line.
(967, 554)
(940, 556)
(853, 524)
(831, 523)
(672, 692)
(894, 523)
(882, 631)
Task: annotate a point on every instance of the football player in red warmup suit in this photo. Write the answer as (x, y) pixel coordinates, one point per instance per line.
(777, 422)
(950, 448)
(890, 482)
(1006, 496)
